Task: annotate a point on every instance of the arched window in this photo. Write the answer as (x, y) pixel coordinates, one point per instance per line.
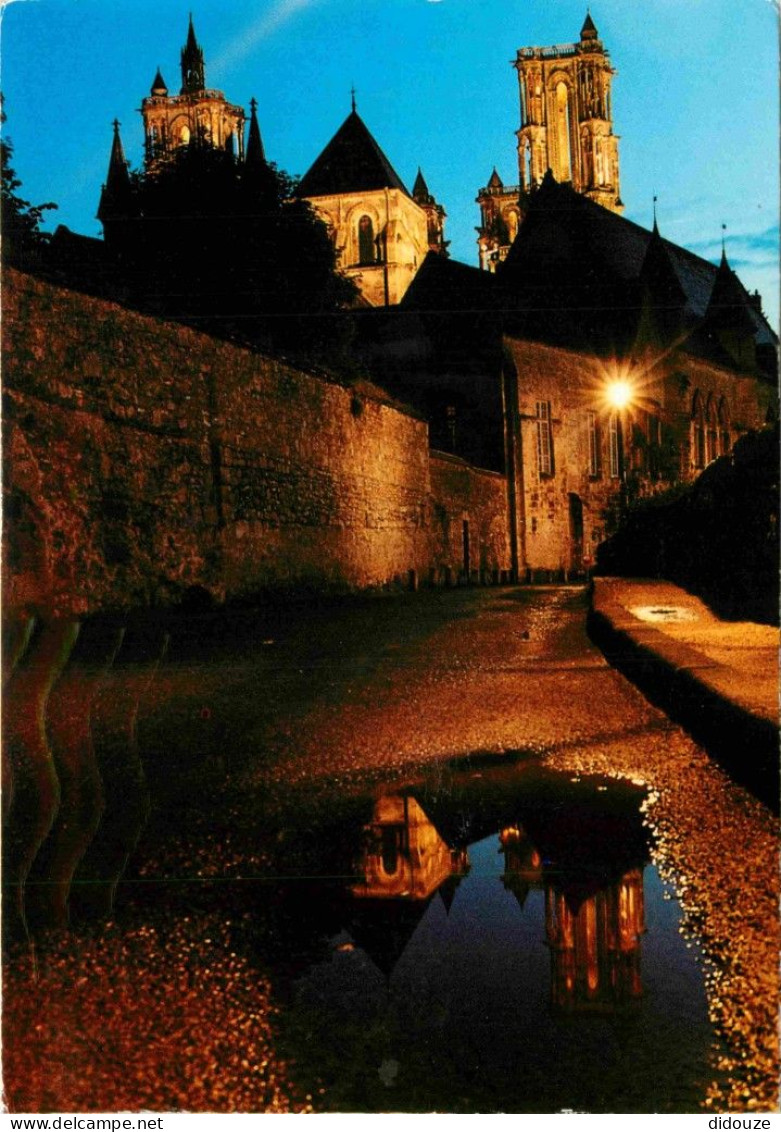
(512, 224)
(563, 132)
(712, 435)
(725, 439)
(697, 431)
(586, 159)
(524, 102)
(184, 135)
(527, 165)
(367, 252)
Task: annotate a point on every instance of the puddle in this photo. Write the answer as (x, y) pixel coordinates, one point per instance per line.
(670, 614)
(492, 942)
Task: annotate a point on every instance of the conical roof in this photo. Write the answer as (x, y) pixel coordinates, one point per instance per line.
(420, 188)
(589, 30)
(729, 306)
(255, 152)
(495, 181)
(351, 162)
(658, 274)
(159, 84)
(115, 198)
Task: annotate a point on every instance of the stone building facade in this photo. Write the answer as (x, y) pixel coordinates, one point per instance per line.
(566, 126)
(382, 232)
(484, 447)
(579, 460)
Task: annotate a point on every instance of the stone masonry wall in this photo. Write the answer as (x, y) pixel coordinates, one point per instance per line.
(574, 384)
(470, 511)
(144, 460)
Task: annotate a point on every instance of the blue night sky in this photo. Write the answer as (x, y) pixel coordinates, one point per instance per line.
(695, 99)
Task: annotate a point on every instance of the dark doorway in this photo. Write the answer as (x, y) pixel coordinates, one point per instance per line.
(576, 533)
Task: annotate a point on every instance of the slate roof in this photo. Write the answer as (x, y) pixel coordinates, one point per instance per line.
(607, 250)
(447, 285)
(352, 162)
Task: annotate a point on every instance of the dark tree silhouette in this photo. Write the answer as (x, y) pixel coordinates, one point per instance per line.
(230, 249)
(23, 242)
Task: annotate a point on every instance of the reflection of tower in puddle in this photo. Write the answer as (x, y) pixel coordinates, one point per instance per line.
(593, 924)
(595, 945)
(404, 864)
(405, 857)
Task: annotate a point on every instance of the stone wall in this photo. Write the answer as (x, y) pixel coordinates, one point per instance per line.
(470, 510)
(144, 460)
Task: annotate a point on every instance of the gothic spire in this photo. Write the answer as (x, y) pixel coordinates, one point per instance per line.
(420, 191)
(589, 30)
(159, 89)
(255, 152)
(193, 74)
(115, 197)
(495, 181)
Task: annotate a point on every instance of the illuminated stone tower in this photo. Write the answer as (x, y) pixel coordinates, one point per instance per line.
(567, 118)
(196, 115)
(566, 126)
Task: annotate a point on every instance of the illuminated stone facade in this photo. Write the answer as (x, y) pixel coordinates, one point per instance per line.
(382, 233)
(566, 126)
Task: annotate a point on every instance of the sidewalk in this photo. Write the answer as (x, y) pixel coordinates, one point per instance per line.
(719, 679)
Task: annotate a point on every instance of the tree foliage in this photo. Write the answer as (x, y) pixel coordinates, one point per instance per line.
(22, 239)
(230, 248)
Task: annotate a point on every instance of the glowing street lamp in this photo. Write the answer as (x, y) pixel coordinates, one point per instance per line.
(619, 393)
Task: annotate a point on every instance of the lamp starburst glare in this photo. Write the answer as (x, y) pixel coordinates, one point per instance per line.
(619, 394)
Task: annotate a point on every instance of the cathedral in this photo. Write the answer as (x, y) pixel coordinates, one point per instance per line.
(380, 230)
(512, 364)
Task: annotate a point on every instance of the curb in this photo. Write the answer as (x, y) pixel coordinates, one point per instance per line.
(669, 675)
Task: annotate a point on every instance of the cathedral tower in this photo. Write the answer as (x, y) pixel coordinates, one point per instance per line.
(196, 115)
(567, 118)
(566, 126)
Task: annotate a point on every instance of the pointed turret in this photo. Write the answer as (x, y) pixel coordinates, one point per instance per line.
(495, 181)
(255, 153)
(730, 318)
(193, 73)
(159, 88)
(435, 215)
(420, 191)
(663, 298)
(116, 196)
(258, 177)
(588, 31)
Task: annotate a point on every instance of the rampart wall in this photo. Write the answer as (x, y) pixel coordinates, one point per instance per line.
(144, 460)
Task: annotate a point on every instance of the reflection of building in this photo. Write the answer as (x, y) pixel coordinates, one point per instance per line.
(595, 945)
(566, 126)
(405, 855)
(594, 917)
